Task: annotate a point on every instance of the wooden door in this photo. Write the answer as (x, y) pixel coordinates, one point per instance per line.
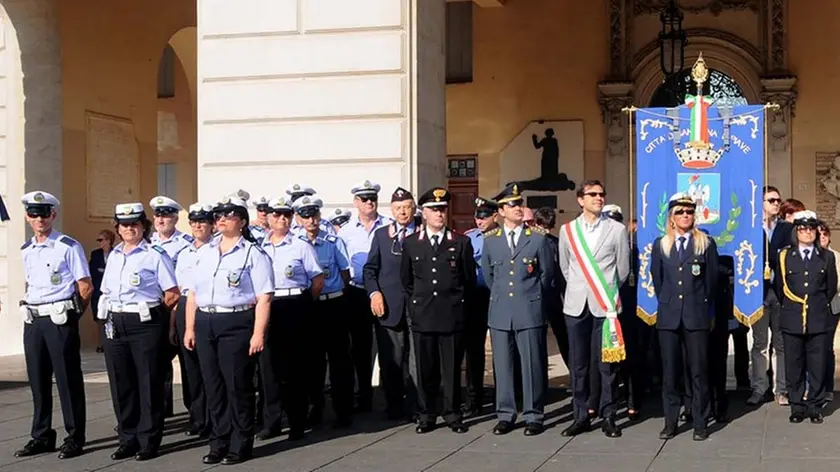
(463, 185)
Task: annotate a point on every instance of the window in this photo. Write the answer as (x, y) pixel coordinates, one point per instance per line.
(166, 73)
(462, 167)
(167, 183)
(459, 31)
(722, 88)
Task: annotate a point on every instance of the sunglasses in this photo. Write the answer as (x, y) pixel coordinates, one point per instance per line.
(806, 229)
(99, 240)
(596, 194)
(774, 200)
(224, 214)
(37, 213)
(366, 199)
(684, 212)
(279, 213)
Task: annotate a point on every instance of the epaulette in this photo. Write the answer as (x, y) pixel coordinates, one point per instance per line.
(68, 241)
(527, 231)
(158, 249)
(493, 232)
(539, 230)
(188, 238)
(331, 238)
(26, 245)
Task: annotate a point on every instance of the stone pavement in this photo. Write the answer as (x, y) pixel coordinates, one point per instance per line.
(758, 439)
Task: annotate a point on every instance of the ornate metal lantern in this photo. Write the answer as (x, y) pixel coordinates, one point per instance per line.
(672, 40)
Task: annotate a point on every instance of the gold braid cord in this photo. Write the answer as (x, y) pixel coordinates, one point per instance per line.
(789, 294)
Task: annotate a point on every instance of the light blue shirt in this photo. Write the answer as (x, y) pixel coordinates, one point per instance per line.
(174, 245)
(295, 263)
(186, 267)
(332, 257)
(258, 232)
(141, 275)
(325, 227)
(358, 241)
(477, 240)
(52, 268)
(231, 279)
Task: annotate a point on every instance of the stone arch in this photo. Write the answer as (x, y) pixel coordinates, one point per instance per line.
(30, 134)
(725, 52)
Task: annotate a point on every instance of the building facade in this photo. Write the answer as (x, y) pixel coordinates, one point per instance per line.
(104, 101)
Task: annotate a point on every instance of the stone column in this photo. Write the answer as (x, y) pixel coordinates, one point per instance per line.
(780, 90)
(613, 97)
(325, 92)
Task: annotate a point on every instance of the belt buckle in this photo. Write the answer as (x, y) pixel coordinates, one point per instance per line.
(211, 309)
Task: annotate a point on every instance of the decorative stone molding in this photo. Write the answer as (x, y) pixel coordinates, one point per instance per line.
(782, 91)
(716, 7)
(704, 34)
(778, 39)
(613, 98)
(618, 39)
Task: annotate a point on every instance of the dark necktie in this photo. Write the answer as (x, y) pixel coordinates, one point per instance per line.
(435, 242)
(806, 256)
(681, 247)
(512, 241)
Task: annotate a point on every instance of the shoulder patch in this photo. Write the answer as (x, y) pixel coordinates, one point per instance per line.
(158, 249)
(189, 238)
(26, 244)
(538, 230)
(331, 238)
(493, 232)
(67, 240)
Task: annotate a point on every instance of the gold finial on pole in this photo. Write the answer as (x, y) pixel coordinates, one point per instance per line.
(700, 73)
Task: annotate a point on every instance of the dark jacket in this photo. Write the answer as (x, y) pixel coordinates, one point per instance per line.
(817, 280)
(381, 273)
(97, 270)
(782, 237)
(438, 283)
(685, 286)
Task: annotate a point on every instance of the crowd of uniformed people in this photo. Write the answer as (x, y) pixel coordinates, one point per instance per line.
(258, 312)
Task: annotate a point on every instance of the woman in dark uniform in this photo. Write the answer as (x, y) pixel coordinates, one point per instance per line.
(684, 267)
(228, 298)
(805, 289)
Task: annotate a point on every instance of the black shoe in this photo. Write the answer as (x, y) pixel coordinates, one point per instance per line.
(686, 417)
(668, 432)
(235, 458)
(70, 449)
(576, 428)
(700, 435)
(124, 452)
(214, 457)
(34, 447)
(195, 431)
(146, 454)
(268, 433)
(610, 429)
(632, 414)
(796, 418)
(817, 418)
(721, 418)
(458, 427)
(502, 428)
(471, 409)
(534, 429)
(424, 427)
(295, 435)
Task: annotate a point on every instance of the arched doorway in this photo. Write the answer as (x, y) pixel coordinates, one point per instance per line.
(719, 86)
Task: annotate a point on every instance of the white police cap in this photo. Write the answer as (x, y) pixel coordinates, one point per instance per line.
(129, 212)
(201, 210)
(232, 201)
(366, 188)
(241, 194)
(164, 202)
(308, 201)
(338, 216)
(805, 217)
(612, 208)
(39, 198)
(681, 199)
(280, 203)
(260, 201)
(296, 190)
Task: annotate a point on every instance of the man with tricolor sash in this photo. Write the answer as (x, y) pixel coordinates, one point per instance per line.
(595, 260)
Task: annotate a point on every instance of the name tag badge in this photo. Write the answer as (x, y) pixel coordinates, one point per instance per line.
(134, 279)
(695, 269)
(327, 273)
(234, 277)
(289, 271)
(55, 278)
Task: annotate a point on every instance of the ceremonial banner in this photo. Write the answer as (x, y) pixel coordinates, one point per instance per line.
(717, 156)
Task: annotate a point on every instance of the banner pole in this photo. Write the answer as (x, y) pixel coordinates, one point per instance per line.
(767, 107)
(630, 110)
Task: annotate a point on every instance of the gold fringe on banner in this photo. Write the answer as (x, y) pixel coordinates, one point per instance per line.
(748, 320)
(648, 318)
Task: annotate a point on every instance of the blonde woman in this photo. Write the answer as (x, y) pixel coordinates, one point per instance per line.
(685, 271)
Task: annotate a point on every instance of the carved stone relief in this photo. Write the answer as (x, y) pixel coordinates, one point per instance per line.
(782, 91)
(828, 188)
(716, 7)
(777, 36)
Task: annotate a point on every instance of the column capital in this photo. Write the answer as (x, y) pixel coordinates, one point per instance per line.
(781, 90)
(614, 97)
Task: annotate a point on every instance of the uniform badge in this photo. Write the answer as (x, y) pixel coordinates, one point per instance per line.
(234, 277)
(289, 271)
(55, 278)
(529, 265)
(134, 279)
(695, 269)
(327, 273)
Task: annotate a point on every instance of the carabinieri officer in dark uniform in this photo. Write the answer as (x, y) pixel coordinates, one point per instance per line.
(285, 364)
(227, 318)
(138, 293)
(58, 290)
(684, 267)
(806, 282)
(438, 273)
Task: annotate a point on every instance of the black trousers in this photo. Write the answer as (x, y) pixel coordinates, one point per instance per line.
(223, 341)
(742, 356)
(52, 349)
(806, 353)
(695, 345)
(361, 341)
(585, 352)
(394, 345)
(474, 339)
(192, 383)
(135, 358)
(286, 362)
(718, 354)
(439, 362)
(329, 334)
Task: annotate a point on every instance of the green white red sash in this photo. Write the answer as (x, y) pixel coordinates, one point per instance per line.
(606, 294)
